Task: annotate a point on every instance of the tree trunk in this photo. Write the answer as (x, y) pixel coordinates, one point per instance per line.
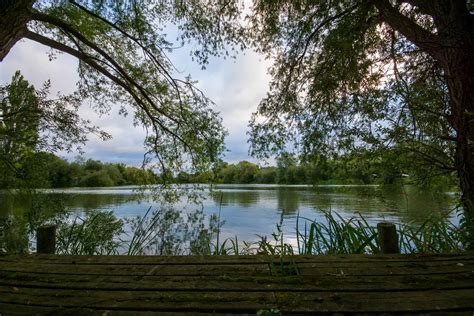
(15, 15)
(459, 72)
(456, 57)
(452, 46)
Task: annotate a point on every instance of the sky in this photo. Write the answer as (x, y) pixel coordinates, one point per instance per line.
(236, 86)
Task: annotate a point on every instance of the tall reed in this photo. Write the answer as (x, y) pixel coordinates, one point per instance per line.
(334, 234)
(355, 235)
(166, 231)
(96, 233)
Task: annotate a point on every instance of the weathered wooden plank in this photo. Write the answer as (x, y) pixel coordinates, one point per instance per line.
(385, 269)
(368, 269)
(419, 264)
(179, 270)
(14, 309)
(134, 260)
(207, 260)
(328, 283)
(219, 260)
(215, 260)
(141, 300)
(21, 309)
(331, 267)
(399, 302)
(424, 264)
(346, 302)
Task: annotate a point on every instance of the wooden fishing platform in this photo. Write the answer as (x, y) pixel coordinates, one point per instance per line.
(72, 285)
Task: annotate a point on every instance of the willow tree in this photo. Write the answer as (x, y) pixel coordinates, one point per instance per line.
(373, 74)
(121, 48)
(349, 75)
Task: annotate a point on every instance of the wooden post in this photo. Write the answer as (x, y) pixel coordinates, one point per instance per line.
(46, 239)
(388, 238)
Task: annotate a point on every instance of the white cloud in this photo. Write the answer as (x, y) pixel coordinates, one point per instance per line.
(33, 62)
(236, 87)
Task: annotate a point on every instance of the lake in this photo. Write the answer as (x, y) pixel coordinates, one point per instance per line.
(249, 210)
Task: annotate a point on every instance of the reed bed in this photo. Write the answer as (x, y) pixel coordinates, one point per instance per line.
(167, 232)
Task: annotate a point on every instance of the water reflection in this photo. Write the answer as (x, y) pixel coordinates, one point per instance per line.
(408, 203)
(242, 198)
(21, 213)
(251, 209)
(98, 201)
(289, 200)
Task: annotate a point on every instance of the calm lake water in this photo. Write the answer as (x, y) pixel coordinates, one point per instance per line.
(249, 210)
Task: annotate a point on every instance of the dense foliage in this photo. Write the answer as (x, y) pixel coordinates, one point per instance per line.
(370, 75)
(30, 122)
(32, 126)
(45, 170)
(122, 50)
(350, 169)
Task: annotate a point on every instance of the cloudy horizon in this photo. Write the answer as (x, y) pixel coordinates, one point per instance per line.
(236, 86)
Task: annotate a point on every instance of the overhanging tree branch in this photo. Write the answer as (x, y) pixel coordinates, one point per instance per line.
(69, 29)
(92, 63)
(310, 37)
(425, 7)
(410, 29)
(147, 51)
(323, 24)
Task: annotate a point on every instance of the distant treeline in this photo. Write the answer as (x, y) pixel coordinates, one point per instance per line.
(46, 170)
(246, 172)
(289, 171)
(361, 168)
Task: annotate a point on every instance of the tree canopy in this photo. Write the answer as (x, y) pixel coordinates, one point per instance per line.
(344, 79)
(371, 74)
(379, 75)
(121, 48)
(31, 122)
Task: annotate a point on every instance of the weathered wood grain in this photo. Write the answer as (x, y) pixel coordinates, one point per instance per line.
(432, 284)
(208, 260)
(325, 282)
(271, 267)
